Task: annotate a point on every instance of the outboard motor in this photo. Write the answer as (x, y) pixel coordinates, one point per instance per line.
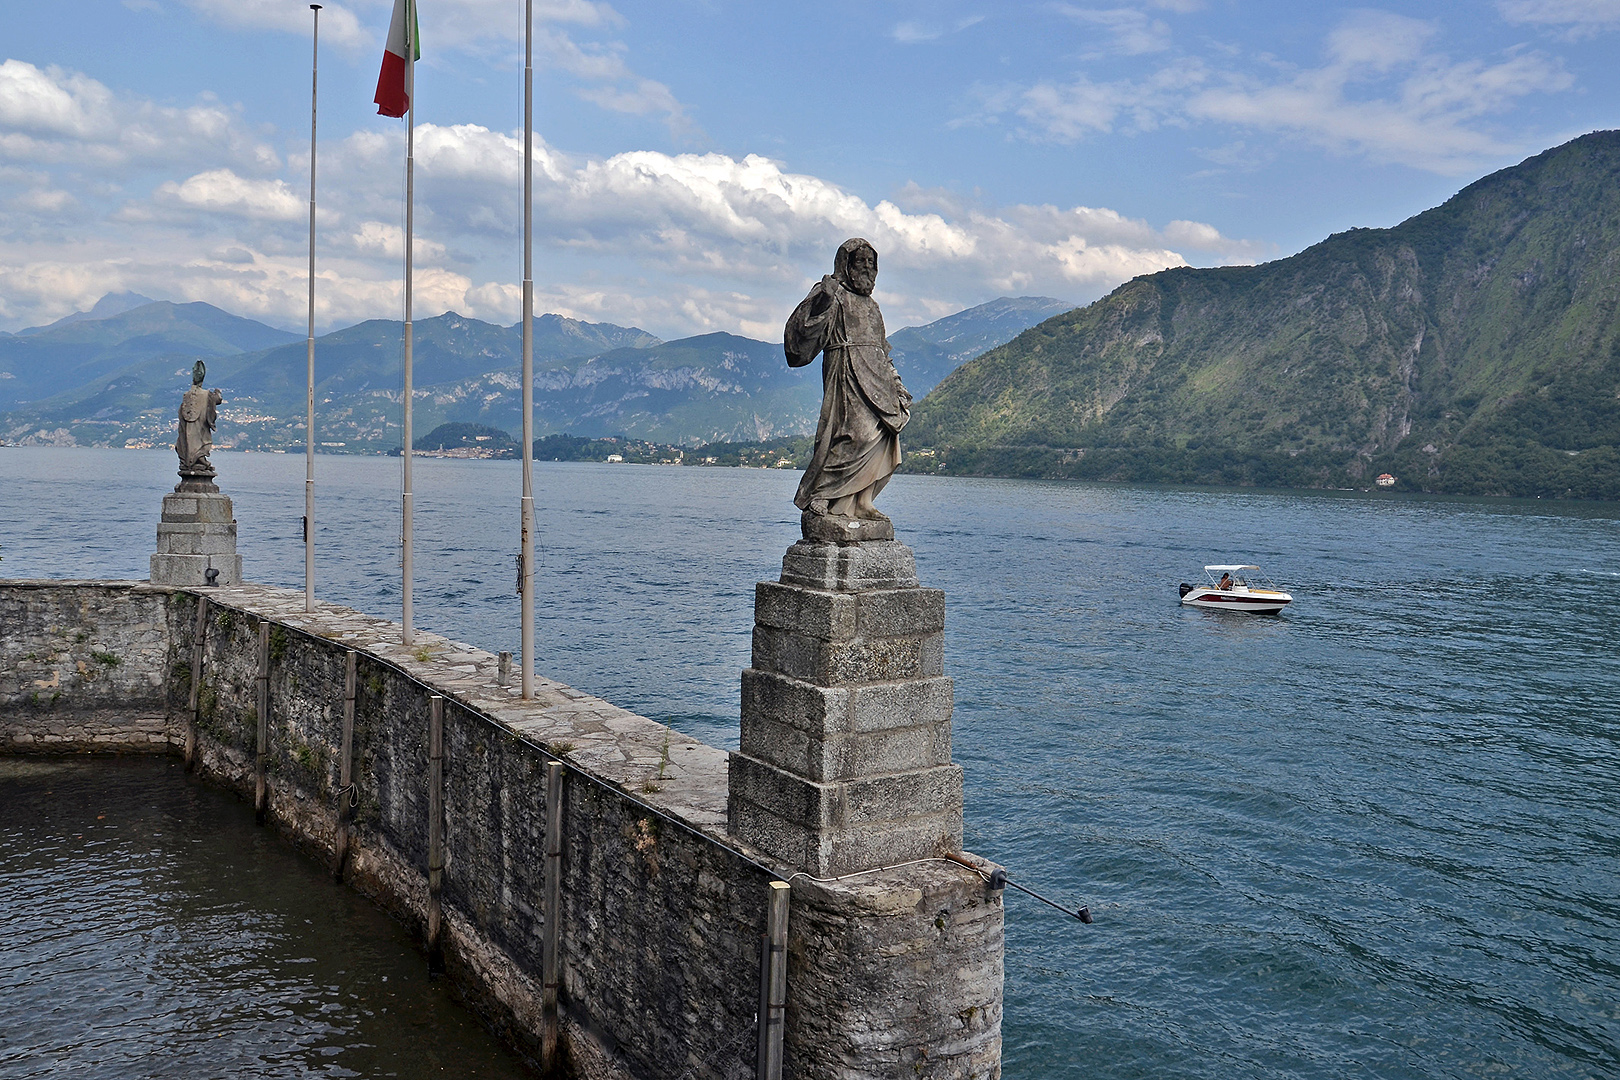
(1186, 588)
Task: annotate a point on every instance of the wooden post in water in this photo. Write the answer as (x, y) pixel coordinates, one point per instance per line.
(773, 983)
(435, 827)
(197, 633)
(346, 796)
(261, 793)
(551, 908)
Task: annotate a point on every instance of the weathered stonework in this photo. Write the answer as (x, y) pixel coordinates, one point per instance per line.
(891, 974)
(84, 666)
(197, 533)
(845, 759)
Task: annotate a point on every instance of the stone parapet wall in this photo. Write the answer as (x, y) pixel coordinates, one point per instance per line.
(85, 666)
(891, 973)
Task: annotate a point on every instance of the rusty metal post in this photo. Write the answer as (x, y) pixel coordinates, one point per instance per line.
(435, 918)
(197, 638)
(552, 909)
(261, 790)
(346, 796)
(773, 983)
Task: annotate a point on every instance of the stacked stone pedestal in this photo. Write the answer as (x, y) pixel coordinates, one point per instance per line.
(845, 757)
(197, 534)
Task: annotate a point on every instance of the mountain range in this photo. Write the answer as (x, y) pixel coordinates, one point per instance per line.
(113, 379)
(1474, 348)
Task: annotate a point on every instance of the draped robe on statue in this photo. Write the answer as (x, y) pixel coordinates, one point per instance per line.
(863, 405)
(198, 415)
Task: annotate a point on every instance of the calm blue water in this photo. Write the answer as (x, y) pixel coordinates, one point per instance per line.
(1377, 836)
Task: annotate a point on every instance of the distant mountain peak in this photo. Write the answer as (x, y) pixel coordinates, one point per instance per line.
(926, 354)
(118, 303)
(107, 307)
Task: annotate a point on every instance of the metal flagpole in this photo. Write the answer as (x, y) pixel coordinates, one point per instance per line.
(409, 636)
(309, 433)
(527, 505)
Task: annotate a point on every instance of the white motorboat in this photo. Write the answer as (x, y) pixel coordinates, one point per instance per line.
(1240, 587)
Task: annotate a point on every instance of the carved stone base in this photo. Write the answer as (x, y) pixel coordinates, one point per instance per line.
(197, 534)
(832, 529)
(199, 479)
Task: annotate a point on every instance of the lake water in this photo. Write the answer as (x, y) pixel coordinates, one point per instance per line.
(152, 930)
(1378, 835)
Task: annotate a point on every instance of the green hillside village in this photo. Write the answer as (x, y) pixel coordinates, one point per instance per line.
(1472, 349)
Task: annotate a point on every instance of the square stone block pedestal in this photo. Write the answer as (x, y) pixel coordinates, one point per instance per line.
(197, 534)
(845, 757)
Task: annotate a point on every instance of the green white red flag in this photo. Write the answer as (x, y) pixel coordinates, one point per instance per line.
(396, 81)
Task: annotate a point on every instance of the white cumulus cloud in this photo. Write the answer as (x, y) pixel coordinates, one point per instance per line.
(57, 116)
(676, 242)
(221, 191)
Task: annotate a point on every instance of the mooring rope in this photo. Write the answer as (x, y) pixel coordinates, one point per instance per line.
(996, 879)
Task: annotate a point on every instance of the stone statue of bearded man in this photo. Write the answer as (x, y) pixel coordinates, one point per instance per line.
(863, 404)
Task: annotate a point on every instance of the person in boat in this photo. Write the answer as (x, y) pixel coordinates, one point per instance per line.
(1226, 582)
(863, 405)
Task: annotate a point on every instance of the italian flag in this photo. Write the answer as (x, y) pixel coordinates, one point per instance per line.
(397, 79)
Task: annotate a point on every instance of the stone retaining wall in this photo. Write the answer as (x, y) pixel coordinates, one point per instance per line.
(84, 666)
(892, 973)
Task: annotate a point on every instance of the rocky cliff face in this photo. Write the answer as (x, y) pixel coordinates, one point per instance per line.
(1474, 347)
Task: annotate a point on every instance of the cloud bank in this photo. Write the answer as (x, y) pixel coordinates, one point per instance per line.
(678, 243)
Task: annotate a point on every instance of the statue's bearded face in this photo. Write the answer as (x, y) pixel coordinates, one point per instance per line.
(862, 271)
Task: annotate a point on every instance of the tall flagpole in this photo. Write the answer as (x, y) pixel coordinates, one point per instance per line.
(409, 636)
(309, 431)
(527, 505)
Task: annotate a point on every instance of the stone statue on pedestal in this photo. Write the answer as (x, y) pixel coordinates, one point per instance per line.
(196, 541)
(843, 763)
(863, 404)
(198, 417)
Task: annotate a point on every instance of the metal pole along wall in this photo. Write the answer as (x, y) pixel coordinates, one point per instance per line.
(261, 784)
(309, 433)
(195, 709)
(551, 909)
(435, 916)
(347, 800)
(526, 506)
(773, 983)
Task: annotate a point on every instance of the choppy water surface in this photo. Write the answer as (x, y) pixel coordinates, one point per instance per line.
(1377, 836)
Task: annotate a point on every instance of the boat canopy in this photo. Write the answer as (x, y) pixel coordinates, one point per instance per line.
(1228, 569)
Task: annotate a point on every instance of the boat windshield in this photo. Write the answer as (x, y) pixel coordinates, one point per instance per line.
(1238, 576)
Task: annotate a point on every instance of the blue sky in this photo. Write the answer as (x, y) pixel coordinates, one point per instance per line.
(700, 160)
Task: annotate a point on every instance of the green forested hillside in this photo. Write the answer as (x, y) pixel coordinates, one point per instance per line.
(1474, 348)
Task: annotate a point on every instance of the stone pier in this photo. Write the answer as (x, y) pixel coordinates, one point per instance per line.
(661, 905)
(845, 757)
(196, 534)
